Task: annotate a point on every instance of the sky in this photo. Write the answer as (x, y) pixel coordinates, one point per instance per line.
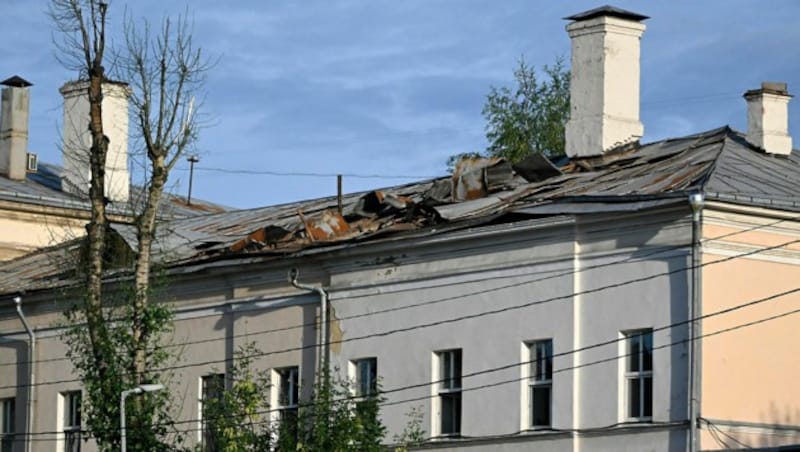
(392, 88)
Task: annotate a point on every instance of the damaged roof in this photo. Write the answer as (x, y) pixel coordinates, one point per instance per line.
(719, 163)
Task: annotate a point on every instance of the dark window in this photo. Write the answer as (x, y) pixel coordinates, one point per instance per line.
(289, 388)
(7, 413)
(213, 389)
(639, 374)
(540, 383)
(450, 391)
(72, 421)
(366, 376)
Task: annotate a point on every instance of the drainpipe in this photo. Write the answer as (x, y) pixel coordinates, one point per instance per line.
(323, 300)
(31, 369)
(696, 203)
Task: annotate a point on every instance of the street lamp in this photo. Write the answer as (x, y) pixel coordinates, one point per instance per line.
(137, 390)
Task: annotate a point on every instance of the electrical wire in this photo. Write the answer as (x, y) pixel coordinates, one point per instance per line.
(570, 272)
(450, 320)
(616, 357)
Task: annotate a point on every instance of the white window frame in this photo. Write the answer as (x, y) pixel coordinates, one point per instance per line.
(358, 377)
(201, 428)
(7, 423)
(535, 381)
(640, 374)
(66, 427)
(447, 387)
(279, 408)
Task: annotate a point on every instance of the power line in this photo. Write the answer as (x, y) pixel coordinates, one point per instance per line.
(444, 321)
(661, 250)
(309, 174)
(517, 364)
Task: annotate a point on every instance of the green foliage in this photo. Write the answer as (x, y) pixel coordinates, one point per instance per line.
(413, 433)
(332, 420)
(238, 419)
(335, 421)
(528, 119)
(148, 418)
(532, 117)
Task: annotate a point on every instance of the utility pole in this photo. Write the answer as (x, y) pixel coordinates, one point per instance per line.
(192, 159)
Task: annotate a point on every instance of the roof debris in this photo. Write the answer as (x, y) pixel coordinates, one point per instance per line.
(719, 163)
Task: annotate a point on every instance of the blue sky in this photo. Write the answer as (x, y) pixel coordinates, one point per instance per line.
(375, 87)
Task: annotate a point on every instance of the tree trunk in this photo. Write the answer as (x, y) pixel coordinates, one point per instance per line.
(96, 229)
(146, 229)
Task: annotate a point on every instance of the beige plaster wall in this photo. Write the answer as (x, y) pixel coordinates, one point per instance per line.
(750, 375)
(23, 232)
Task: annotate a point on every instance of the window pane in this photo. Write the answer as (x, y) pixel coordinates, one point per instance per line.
(451, 413)
(634, 350)
(634, 398)
(540, 405)
(289, 388)
(450, 369)
(647, 351)
(647, 393)
(456, 368)
(367, 376)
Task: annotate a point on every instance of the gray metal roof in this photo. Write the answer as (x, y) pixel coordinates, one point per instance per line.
(719, 163)
(43, 188)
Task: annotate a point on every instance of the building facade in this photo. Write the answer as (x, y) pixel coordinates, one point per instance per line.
(636, 297)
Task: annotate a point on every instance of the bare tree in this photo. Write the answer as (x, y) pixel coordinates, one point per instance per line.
(82, 25)
(164, 71)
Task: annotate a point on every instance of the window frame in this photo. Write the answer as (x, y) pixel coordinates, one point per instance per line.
(635, 371)
(293, 388)
(8, 413)
(206, 439)
(372, 377)
(449, 390)
(72, 406)
(535, 379)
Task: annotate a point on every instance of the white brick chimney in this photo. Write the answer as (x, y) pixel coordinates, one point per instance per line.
(604, 86)
(78, 140)
(14, 128)
(768, 118)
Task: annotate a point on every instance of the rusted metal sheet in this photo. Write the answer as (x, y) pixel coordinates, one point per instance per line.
(325, 227)
(469, 181)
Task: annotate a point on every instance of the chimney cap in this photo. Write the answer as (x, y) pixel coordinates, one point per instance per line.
(607, 10)
(778, 88)
(16, 82)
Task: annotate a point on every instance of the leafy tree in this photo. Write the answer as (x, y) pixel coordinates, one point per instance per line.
(164, 70)
(332, 420)
(413, 433)
(528, 119)
(238, 419)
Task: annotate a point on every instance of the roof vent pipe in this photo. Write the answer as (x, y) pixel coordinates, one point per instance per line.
(604, 81)
(768, 118)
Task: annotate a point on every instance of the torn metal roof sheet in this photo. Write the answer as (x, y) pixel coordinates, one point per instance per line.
(720, 163)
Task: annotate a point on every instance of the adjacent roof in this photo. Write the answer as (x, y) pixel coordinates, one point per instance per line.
(43, 188)
(719, 163)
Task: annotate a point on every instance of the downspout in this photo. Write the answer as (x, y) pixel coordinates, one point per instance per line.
(32, 372)
(696, 203)
(323, 300)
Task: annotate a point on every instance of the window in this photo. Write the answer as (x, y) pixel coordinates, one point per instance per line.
(7, 414)
(366, 376)
(288, 393)
(639, 374)
(212, 388)
(540, 383)
(450, 392)
(72, 421)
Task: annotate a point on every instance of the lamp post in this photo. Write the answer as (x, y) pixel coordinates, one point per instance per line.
(137, 390)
